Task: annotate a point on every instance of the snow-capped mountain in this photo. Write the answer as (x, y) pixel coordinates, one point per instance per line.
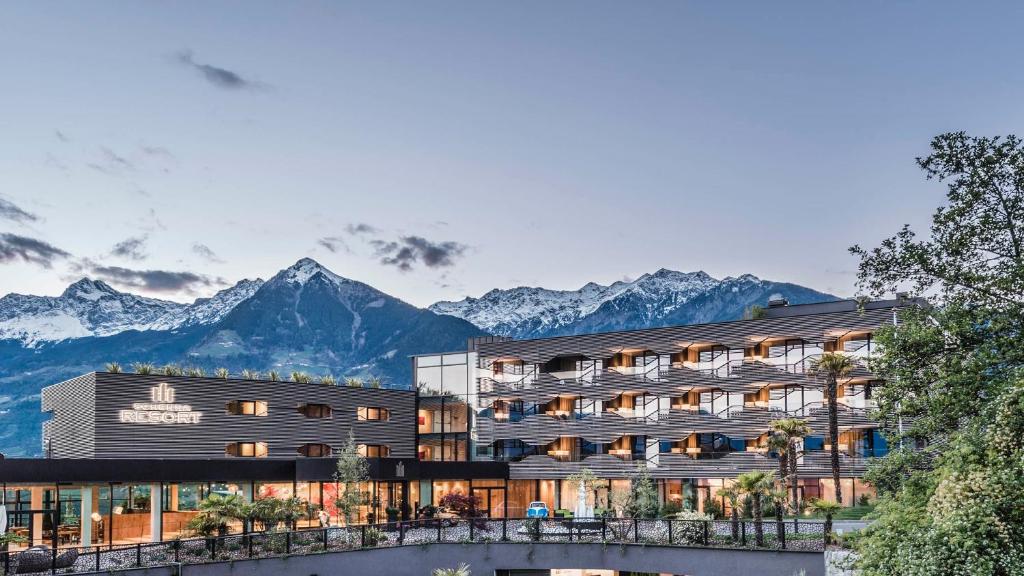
(661, 298)
(208, 310)
(86, 308)
(94, 308)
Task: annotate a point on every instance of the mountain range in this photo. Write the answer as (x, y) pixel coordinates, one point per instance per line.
(309, 319)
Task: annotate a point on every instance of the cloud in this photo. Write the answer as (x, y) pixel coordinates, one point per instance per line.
(156, 151)
(133, 248)
(61, 136)
(334, 244)
(219, 77)
(11, 211)
(111, 162)
(207, 253)
(410, 250)
(14, 247)
(153, 280)
(360, 228)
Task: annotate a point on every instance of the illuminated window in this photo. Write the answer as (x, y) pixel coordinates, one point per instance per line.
(247, 449)
(315, 450)
(374, 450)
(247, 407)
(372, 413)
(315, 410)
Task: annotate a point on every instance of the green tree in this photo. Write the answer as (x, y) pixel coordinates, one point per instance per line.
(732, 494)
(757, 485)
(952, 368)
(350, 472)
(832, 366)
(215, 512)
(828, 509)
(641, 501)
(792, 430)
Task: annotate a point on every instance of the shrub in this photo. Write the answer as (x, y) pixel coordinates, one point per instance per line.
(669, 509)
(690, 528)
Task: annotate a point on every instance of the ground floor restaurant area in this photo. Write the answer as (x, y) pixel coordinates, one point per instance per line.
(109, 502)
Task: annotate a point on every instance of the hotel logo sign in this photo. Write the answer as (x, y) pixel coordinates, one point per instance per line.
(161, 409)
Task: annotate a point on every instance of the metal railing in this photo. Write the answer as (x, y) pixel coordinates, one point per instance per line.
(788, 535)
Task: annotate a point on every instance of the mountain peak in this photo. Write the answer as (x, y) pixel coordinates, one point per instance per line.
(303, 270)
(89, 289)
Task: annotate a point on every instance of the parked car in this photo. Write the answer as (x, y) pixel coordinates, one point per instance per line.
(537, 510)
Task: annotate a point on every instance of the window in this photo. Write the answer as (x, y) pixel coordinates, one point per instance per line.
(315, 450)
(372, 413)
(247, 449)
(374, 450)
(315, 410)
(247, 407)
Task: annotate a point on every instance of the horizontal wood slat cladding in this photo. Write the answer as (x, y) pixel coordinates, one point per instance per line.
(70, 433)
(739, 334)
(284, 428)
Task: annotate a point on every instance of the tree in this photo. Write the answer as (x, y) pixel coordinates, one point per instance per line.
(461, 570)
(828, 509)
(732, 494)
(216, 511)
(350, 472)
(778, 496)
(832, 366)
(792, 430)
(757, 485)
(591, 483)
(642, 500)
(952, 367)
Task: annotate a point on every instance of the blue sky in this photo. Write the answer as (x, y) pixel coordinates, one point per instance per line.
(437, 150)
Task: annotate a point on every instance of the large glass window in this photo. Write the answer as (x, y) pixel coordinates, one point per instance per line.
(247, 449)
(372, 413)
(316, 410)
(247, 407)
(374, 450)
(315, 450)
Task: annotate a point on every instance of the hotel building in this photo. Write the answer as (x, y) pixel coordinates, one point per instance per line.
(129, 457)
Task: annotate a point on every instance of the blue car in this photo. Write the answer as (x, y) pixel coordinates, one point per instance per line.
(537, 510)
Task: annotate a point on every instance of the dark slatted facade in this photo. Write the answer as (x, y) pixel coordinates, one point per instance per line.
(212, 417)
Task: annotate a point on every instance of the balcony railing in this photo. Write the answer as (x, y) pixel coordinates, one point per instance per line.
(786, 535)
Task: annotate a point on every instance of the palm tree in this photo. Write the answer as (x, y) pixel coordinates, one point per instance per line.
(793, 430)
(274, 376)
(828, 509)
(114, 368)
(221, 373)
(353, 382)
(778, 496)
(215, 512)
(143, 368)
(757, 485)
(732, 494)
(779, 444)
(328, 380)
(462, 570)
(375, 382)
(300, 377)
(832, 366)
(250, 374)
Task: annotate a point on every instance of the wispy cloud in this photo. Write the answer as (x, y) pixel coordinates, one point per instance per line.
(133, 248)
(219, 77)
(407, 251)
(61, 136)
(111, 162)
(153, 280)
(206, 252)
(334, 244)
(11, 211)
(358, 228)
(32, 250)
(156, 151)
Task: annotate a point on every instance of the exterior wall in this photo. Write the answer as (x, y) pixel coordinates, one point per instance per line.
(284, 429)
(684, 384)
(71, 431)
